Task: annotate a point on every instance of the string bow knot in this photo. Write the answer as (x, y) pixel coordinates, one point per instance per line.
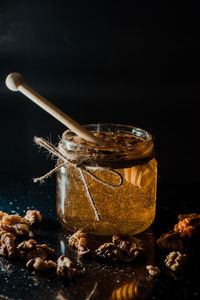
(62, 154)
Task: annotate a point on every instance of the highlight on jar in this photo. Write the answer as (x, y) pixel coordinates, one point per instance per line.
(108, 188)
(106, 173)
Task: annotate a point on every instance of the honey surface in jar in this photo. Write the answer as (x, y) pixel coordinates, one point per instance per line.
(127, 209)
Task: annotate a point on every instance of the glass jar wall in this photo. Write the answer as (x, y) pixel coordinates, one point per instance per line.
(97, 204)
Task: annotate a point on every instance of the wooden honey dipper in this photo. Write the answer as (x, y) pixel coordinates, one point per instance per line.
(15, 82)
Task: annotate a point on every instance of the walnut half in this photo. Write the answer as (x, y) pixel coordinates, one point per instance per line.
(40, 264)
(7, 244)
(65, 267)
(109, 251)
(175, 260)
(14, 224)
(31, 249)
(79, 241)
(33, 216)
(122, 248)
(153, 271)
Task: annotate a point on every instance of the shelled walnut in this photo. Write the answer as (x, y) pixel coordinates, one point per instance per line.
(7, 244)
(31, 249)
(188, 225)
(79, 241)
(65, 267)
(129, 246)
(187, 228)
(2, 214)
(14, 219)
(121, 248)
(14, 224)
(153, 271)
(109, 251)
(40, 264)
(175, 260)
(194, 216)
(33, 216)
(11, 227)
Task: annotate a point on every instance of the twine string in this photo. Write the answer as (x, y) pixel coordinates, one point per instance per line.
(82, 169)
(91, 200)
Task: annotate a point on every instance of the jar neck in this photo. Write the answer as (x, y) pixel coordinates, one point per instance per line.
(112, 156)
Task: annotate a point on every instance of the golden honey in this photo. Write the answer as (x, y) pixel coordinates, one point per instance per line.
(126, 209)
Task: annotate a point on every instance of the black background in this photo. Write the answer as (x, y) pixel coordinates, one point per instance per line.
(135, 63)
(129, 62)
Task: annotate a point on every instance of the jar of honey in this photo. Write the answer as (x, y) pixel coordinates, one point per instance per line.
(109, 188)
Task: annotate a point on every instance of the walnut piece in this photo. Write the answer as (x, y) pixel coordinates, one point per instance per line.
(170, 241)
(65, 267)
(185, 229)
(31, 234)
(122, 248)
(4, 233)
(14, 224)
(78, 240)
(14, 219)
(33, 216)
(193, 216)
(192, 220)
(31, 249)
(153, 271)
(109, 251)
(176, 239)
(7, 244)
(2, 214)
(17, 229)
(130, 247)
(40, 264)
(175, 260)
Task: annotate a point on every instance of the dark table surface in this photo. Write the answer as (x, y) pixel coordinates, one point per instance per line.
(100, 280)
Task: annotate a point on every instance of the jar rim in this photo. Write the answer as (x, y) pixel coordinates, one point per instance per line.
(96, 155)
(136, 131)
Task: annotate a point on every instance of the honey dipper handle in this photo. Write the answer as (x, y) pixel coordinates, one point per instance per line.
(15, 82)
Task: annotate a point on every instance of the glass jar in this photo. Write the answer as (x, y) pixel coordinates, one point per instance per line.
(121, 196)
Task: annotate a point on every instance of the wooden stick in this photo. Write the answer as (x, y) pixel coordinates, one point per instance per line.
(15, 82)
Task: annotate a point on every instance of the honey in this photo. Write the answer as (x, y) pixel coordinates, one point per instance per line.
(125, 209)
